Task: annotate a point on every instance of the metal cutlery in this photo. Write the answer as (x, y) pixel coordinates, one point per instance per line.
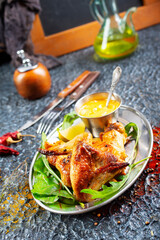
(50, 117)
(60, 97)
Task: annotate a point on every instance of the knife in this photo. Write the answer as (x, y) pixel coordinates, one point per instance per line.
(59, 98)
(72, 98)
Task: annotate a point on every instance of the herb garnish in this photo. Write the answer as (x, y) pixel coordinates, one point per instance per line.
(69, 120)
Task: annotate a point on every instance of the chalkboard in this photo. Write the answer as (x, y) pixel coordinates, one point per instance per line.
(59, 15)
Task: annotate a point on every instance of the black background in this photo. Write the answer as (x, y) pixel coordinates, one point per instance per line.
(60, 15)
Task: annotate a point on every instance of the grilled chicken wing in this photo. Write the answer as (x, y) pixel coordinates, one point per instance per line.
(91, 168)
(59, 155)
(85, 162)
(62, 163)
(115, 138)
(63, 148)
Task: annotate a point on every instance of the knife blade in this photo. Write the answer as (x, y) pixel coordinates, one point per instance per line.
(59, 98)
(72, 98)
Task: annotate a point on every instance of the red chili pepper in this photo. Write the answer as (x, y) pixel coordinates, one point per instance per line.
(12, 137)
(7, 151)
(6, 140)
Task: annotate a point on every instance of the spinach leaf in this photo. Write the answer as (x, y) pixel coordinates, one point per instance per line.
(61, 206)
(45, 185)
(46, 199)
(46, 163)
(39, 167)
(48, 186)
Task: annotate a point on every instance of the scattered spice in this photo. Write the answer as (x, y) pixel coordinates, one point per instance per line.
(17, 203)
(152, 164)
(7, 151)
(96, 223)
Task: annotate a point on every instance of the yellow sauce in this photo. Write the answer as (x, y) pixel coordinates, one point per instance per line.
(97, 108)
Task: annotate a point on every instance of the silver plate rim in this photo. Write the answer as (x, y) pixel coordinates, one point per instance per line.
(123, 107)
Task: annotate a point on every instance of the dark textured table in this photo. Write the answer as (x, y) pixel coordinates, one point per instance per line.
(135, 215)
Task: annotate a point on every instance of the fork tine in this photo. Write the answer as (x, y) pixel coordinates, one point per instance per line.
(39, 126)
(56, 114)
(47, 123)
(42, 123)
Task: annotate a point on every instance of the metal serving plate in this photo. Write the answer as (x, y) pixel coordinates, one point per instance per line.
(126, 115)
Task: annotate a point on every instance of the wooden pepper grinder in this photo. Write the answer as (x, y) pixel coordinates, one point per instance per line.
(31, 80)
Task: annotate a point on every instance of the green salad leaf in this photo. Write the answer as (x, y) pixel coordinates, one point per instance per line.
(69, 120)
(46, 199)
(43, 140)
(45, 185)
(47, 188)
(39, 167)
(55, 175)
(133, 131)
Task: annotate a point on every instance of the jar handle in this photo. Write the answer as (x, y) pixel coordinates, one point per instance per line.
(95, 11)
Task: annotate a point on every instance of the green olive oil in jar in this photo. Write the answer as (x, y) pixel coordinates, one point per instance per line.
(117, 37)
(118, 44)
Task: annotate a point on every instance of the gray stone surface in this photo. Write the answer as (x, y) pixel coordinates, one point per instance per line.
(139, 87)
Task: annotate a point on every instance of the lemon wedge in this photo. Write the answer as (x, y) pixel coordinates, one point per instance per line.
(71, 132)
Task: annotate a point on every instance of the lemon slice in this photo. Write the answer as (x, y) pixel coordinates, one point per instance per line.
(71, 132)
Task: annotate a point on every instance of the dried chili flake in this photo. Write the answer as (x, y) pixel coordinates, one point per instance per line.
(96, 223)
(153, 165)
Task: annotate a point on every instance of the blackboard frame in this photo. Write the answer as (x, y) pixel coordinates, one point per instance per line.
(83, 36)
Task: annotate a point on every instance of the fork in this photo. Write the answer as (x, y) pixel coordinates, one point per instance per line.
(51, 116)
(48, 120)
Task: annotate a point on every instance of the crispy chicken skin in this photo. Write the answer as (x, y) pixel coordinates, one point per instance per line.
(91, 168)
(115, 136)
(62, 155)
(85, 162)
(62, 163)
(62, 148)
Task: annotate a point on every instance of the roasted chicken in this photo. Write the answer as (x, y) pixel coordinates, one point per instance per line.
(85, 162)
